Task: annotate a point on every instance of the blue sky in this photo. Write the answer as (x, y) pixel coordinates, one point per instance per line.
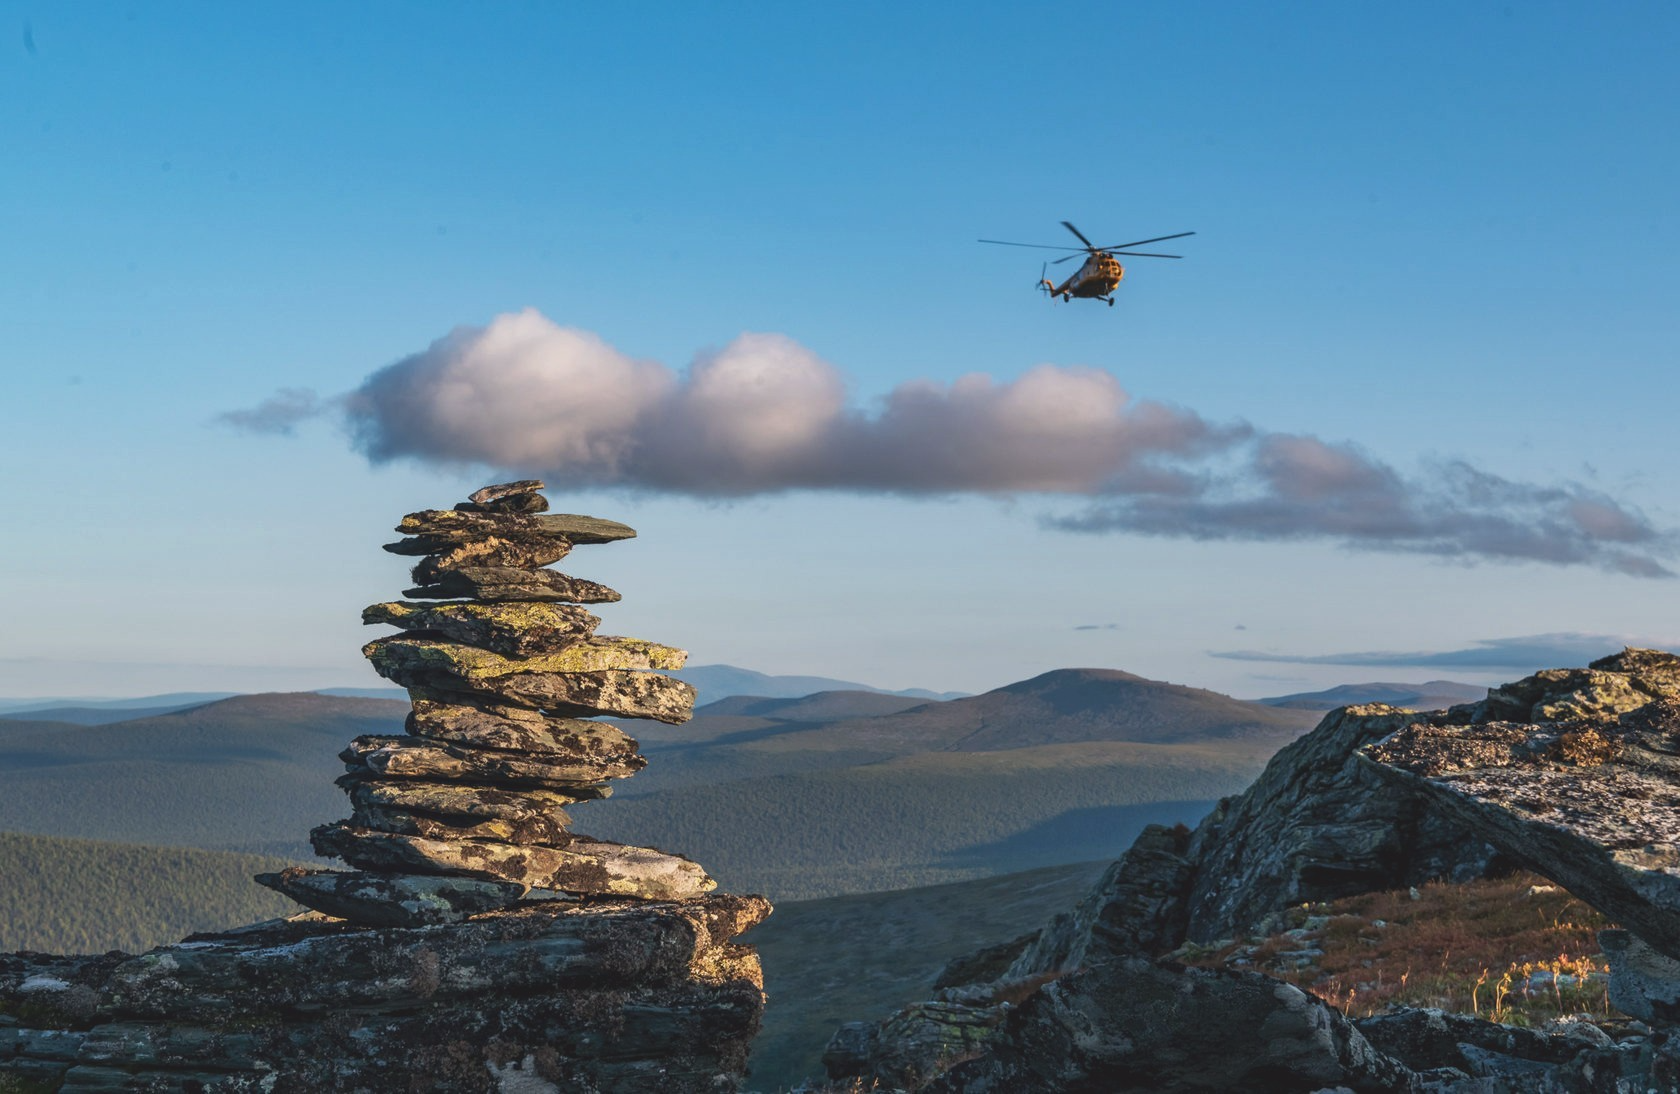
(1442, 234)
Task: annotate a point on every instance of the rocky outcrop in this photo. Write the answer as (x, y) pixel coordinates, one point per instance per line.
(1582, 789)
(1573, 773)
(479, 943)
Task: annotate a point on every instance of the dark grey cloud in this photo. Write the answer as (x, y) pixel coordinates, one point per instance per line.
(1525, 654)
(1097, 627)
(1299, 488)
(763, 414)
(280, 413)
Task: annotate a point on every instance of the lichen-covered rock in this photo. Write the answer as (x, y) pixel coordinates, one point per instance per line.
(512, 629)
(521, 805)
(392, 900)
(404, 653)
(551, 829)
(418, 758)
(1593, 806)
(511, 583)
(625, 693)
(1316, 825)
(1137, 908)
(1132, 1026)
(621, 996)
(477, 722)
(459, 526)
(583, 866)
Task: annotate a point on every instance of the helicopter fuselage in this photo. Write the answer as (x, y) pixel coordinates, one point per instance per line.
(1097, 278)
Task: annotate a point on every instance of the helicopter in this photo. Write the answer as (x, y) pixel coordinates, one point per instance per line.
(1101, 272)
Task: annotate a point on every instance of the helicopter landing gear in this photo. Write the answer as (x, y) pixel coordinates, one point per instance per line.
(1110, 301)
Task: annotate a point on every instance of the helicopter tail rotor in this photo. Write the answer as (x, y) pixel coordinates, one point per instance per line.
(1044, 285)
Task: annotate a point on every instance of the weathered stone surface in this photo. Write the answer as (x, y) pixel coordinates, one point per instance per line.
(549, 829)
(478, 723)
(507, 497)
(529, 553)
(433, 761)
(392, 900)
(1317, 826)
(1460, 1054)
(584, 866)
(472, 803)
(1138, 908)
(498, 583)
(628, 694)
(405, 652)
(1644, 984)
(457, 526)
(1130, 1025)
(1593, 806)
(512, 629)
(619, 996)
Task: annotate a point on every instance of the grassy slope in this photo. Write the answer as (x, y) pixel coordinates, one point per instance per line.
(85, 896)
(859, 957)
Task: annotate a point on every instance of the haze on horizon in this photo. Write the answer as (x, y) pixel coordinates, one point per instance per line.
(276, 278)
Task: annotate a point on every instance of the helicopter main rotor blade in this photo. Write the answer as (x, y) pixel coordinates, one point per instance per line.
(1081, 235)
(1141, 242)
(1064, 258)
(1041, 246)
(1143, 254)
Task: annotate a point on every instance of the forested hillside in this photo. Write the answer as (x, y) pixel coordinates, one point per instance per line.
(87, 896)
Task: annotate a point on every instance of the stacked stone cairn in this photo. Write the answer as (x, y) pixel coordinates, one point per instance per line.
(466, 812)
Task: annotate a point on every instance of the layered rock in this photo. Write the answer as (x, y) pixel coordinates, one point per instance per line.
(621, 996)
(1573, 773)
(478, 943)
(504, 687)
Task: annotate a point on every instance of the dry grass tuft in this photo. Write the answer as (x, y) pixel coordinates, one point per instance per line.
(1516, 950)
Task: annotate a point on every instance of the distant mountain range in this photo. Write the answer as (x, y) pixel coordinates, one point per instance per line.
(840, 791)
(715, 682)
(1432, 695)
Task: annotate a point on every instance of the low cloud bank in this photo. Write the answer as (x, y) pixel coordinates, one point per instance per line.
(764, 414)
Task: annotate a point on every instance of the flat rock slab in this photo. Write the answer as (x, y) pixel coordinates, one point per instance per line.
(507, 497)
(401, 651)
(468, 803)
(512, 629)
(418, 758)
(625, 693)
(392, 900)
(314, 967)
(550, 829)
(457, 526)
(498, 583)
(586, 867)
(1595, 807)
(529, 553)
(477, 723)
